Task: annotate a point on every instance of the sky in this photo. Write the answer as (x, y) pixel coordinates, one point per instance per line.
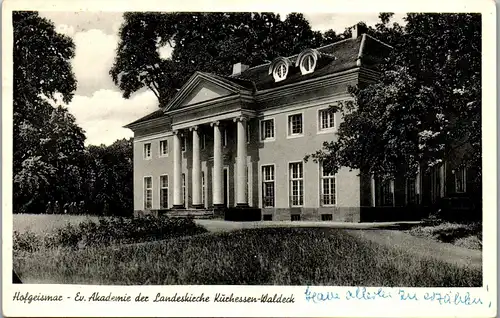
(98, 105)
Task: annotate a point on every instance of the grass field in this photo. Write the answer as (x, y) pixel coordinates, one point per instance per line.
(45, 223)
(276, 256)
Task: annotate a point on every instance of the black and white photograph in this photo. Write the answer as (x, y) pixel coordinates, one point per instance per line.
(251, 148)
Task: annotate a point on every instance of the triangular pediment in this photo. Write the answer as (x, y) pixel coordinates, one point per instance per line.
(204, 91)
(200, 88)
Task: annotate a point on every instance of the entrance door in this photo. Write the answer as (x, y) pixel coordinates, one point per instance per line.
(226, 187)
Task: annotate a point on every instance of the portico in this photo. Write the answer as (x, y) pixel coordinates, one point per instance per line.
(217, 184)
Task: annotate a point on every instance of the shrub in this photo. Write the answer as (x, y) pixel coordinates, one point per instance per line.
(108, 231)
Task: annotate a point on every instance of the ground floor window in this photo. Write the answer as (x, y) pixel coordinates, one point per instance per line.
(460, 180)
(411, 191)
(203, 188)
(184, 189)
(163, 192)
(328, 188)
(296, 184)
(148, 193)
(268, 186)
(326, 217)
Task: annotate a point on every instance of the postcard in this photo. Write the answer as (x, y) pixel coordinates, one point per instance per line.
(252, 159)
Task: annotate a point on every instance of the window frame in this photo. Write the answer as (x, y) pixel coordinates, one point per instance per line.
(144, 194)
(261, 136)
(150, 155)
(203, 141)
(300, 181)
(322, 130)
(303, 59)
(289, 125)
(161, 188)
(277, 67)
(183, 143)
(184, 189)
(263, 181)
(160, 148)
(463, 172)
(321, 191)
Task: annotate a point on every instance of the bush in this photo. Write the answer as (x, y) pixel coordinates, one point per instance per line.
(467, 235)
(108, 231)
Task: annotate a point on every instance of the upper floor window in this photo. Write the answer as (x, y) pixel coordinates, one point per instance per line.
(249, 132)
(163, 148)
(147, 151)
(183, 143)
(203, 141)
(295, 125)
(267, 129)
(280, 71)
(224, 138)
(326, 119)
(307, 64)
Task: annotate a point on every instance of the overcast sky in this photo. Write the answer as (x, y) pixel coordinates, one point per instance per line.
(98, 104)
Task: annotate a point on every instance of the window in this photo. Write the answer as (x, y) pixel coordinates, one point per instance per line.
(295, 217)
(326, 119)
(280, 71)
(248, 132)
(296, 184)
(148, 193)
(295, 125)
(224, 138)
(326, 217)
(307, 64)
(328, 188)
(184, 189)
(268, 186)
(203, 141)
(267, 217)
(163, 192)
(183, 143)
(411, 191)
(267, 129)
(163, 148)
(147, 151)
(460, 180)
(203, 188)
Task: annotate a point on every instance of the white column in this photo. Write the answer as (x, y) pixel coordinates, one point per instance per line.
(177, 170)
(217, 172)
(196, 172)
(241, 162)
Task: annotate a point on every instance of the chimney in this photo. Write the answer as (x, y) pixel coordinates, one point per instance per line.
(358, 29)
(239, 68)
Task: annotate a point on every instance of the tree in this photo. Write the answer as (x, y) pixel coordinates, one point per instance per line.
(210, 42)
(426, 107)
(47, 141)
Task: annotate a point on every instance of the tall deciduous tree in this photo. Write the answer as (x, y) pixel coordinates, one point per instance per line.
(47, 141)
(210, 42)
(426, 107)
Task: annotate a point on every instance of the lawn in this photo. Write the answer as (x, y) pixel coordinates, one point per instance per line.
(45, 223)
(266, 256)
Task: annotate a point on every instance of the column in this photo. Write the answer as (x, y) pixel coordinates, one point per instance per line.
(177, 171)
(217, 192)
(241, 162)
(196, 172)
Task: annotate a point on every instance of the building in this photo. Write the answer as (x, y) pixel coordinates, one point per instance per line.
(239, 141)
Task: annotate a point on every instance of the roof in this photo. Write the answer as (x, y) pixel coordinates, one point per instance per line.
(154, 115)
(333, 58)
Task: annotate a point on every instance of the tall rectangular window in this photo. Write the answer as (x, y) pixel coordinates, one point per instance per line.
(460, 180)
(326, 119)
(268, 186)
(296, 184)
(248, 132)
(224, 138)
(183, 143)
(147, 151)
(184, 189)
(411, 191)
(148, 193)
(163, 192)
(267, 129)
(203, 188)
(203, 141)
(328, 188)
(163, 148)
(295, 125)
